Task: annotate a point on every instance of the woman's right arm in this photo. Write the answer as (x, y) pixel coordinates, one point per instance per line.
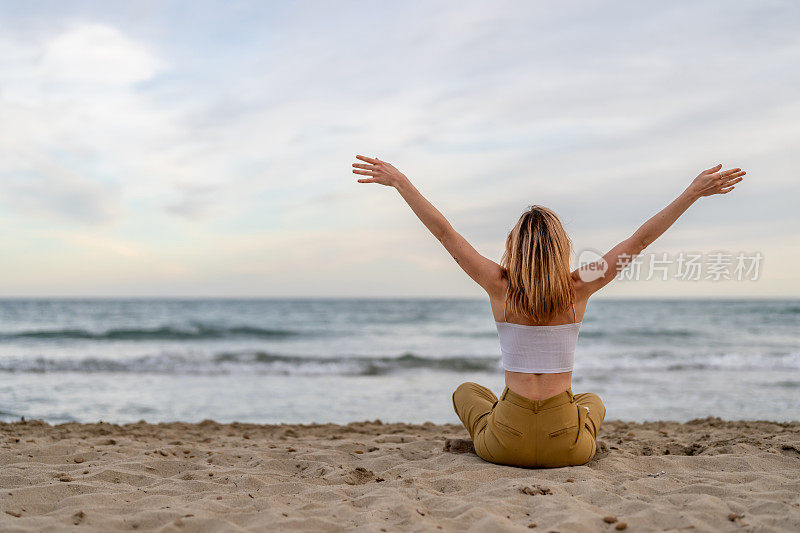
(709, 182)
(482, 270)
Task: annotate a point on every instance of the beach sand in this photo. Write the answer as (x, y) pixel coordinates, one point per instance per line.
(369, 476)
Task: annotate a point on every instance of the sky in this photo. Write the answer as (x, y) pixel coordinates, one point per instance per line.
(204, 148)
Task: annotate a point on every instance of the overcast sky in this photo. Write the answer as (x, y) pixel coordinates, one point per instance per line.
(204, 148)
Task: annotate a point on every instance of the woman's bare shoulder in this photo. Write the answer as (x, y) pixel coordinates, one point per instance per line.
(582, 291)
(497, 292)
(497, 285)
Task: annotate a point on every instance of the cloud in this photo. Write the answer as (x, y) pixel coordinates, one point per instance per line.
(187, 129)
(81, 61)
(194, 201)
(42, 188)
(96, 54)
(67, 101)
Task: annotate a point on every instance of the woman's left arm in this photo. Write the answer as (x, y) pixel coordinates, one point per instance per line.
(483, 271)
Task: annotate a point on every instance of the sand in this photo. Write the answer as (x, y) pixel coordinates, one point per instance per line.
(705, 475)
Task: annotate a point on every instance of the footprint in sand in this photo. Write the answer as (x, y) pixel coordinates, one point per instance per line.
(359, 476)
(458, 446)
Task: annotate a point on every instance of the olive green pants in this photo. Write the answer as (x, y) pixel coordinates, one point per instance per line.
(517, 431)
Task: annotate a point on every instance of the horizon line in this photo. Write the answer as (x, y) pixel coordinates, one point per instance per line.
(384, 297)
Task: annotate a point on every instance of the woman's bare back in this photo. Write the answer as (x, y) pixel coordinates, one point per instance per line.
(539, 386)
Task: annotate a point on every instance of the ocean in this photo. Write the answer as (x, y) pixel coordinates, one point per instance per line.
(340, 360)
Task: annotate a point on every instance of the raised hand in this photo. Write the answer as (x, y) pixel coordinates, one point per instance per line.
(715, 181)
(379, 171)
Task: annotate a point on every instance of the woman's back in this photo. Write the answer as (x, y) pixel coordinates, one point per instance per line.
(537, 358)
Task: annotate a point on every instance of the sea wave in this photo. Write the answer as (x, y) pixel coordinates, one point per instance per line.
(246, 362)
(190, 332)
(268, 363)
(678, 362)
(648, 333)
(471, 334)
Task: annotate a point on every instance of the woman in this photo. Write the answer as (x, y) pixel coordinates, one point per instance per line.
(538, 305)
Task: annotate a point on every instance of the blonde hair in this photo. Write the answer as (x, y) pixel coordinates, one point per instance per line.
(536, 263)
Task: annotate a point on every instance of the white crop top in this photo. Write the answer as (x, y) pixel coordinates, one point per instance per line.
(538, 349)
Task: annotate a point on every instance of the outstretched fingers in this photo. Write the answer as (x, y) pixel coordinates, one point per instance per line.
(371, 160)
(717, 181)
(733, 175)
(730, 177)
(726, 178)
(378, 171)
(728, 186)
(729, 181)
(730, 171)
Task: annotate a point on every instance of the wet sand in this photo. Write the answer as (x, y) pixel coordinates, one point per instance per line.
(704, 475)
